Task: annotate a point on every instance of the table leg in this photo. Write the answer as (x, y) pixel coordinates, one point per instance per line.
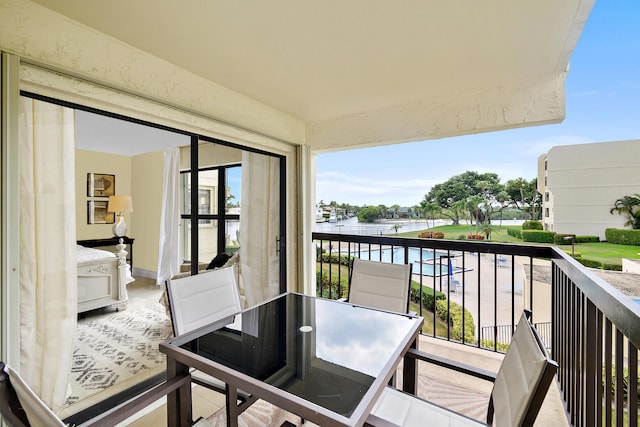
(409, 372)
(179, 401)
(232, 405)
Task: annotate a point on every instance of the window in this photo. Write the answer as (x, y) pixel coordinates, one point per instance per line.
(546, 212)
(218, 229)
(546, 196)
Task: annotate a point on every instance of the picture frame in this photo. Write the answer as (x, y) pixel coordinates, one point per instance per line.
(97, 212)
(101, 185)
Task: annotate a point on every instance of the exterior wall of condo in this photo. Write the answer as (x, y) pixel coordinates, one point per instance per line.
(580, 183)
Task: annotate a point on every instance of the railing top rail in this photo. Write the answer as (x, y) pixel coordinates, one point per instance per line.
(454, 245)
(618, 308)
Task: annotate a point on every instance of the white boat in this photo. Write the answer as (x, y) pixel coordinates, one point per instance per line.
(332, 216)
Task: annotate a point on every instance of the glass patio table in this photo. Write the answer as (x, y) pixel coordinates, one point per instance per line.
(326, 361)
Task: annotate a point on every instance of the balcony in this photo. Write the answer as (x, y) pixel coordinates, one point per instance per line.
(478, 289)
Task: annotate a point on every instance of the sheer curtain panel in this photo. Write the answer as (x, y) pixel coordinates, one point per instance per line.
(169, 245)
(259, 227)
(48, 281)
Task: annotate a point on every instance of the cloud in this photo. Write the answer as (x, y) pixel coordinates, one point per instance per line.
(361, 190)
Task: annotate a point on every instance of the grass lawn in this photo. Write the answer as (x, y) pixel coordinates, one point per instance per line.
(604, 252)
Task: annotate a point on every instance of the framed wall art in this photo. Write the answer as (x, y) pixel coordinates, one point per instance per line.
(101, 185)
(97, 212)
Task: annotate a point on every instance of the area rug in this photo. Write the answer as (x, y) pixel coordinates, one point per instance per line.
(114, 352)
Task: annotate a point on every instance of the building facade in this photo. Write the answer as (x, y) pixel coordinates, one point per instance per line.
(580, 184)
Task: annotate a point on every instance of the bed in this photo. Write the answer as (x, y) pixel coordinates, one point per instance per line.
(102, 278)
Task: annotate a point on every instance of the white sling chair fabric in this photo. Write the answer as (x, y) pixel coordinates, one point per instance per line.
(380, 285)
(516, 382)
(39, 414)
(200, 299)
(203, 298)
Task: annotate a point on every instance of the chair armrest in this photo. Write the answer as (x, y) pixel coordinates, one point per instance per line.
(451, 364)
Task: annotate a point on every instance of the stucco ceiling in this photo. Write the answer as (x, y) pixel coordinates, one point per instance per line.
(364, 72)
(330, 58)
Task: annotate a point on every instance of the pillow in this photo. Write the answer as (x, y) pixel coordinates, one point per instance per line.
(218, 261)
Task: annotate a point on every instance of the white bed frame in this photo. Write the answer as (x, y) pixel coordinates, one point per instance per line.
(103, 282)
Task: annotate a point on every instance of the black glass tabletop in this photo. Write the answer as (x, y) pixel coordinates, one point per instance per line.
(324, 351)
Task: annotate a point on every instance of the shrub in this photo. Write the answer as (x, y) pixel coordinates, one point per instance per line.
(592, 263)
(333, 288)
(558, 239)
(501, 347)
(336, 259)
(475, 237)
(613, 267)
(532, 225)
(622, 237)
(427, 295)
(538, 236)
(431, 235)
(587, 239)
(455, 320)
(515, 232)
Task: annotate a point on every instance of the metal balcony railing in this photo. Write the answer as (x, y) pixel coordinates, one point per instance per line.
(593, 331)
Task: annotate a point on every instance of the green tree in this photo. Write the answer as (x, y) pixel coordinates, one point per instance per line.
(524, 194)
(369, 214)
(431, 210)
(628, 206)
(503, 199)
(458, 189)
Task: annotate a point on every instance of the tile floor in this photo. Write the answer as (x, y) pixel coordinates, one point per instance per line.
(206, 402)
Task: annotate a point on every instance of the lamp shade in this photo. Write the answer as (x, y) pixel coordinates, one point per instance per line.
(120, 204)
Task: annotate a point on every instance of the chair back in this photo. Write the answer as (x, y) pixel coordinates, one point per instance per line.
(20, 405)
(523, 379)
(380, 285)
(195, 301)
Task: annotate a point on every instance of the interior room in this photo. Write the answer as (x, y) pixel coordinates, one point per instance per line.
(122, 317)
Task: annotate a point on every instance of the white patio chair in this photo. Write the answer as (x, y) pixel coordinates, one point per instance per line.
(201, 299)
(520, 387)
(20, 406)
(380, 285)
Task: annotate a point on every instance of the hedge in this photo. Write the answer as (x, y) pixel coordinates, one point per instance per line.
(515, 232)
(559, 239)
(587, 239)
(334, 289)
(613, 267)
(431, 235)
(622, 237)
(427, 295)
(532, 225)
(592, 263)
(336, 259)
(455, 320)
(538, 236)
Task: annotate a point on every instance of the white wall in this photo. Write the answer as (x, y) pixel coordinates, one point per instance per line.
(585, 180)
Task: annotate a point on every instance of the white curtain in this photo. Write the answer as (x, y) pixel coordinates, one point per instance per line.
(48, 281)
(259, 227)
(169, 245)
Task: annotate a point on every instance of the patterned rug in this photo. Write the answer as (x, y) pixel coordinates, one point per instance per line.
(113, 352)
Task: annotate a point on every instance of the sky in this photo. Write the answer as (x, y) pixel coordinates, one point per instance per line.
(602, 104)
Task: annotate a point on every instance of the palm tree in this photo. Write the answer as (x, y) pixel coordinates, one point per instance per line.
(628, 206)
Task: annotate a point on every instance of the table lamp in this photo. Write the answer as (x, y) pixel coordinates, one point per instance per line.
(119, 205)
